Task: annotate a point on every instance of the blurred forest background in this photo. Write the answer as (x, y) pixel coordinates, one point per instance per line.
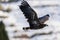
(14, 19)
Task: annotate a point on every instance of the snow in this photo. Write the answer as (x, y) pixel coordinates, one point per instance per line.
(17, 18)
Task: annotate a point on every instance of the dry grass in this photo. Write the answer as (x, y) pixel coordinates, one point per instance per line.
(3, 17)
(1, 7)
(36, 34)
(8, 9)
(5, 10)
(22, 36)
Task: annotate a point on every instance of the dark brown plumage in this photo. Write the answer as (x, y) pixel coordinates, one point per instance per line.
(31, 15)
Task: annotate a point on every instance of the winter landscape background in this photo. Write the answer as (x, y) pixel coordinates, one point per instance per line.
(42, 7)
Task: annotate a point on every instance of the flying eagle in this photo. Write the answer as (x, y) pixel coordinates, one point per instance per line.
(31, 15)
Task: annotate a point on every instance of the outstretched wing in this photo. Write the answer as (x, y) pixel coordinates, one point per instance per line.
(30, 14)
(44, 19)
(27, 10)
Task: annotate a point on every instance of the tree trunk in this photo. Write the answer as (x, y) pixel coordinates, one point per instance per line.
(3, 33)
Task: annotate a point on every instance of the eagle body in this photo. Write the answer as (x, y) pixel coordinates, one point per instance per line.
(31, 15)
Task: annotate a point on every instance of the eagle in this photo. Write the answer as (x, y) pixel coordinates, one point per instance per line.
(32, 18)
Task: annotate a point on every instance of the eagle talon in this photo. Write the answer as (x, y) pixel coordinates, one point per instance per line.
(26, 28)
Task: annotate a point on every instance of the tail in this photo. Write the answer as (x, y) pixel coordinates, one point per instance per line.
(44, 19)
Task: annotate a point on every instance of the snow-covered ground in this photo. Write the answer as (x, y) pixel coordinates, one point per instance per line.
(42, 7)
